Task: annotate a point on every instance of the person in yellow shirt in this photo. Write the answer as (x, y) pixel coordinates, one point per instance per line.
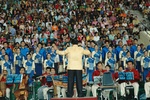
(74, 67)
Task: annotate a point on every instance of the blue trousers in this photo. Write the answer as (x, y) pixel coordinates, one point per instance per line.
(145, 72)
(38, 69)
(138, 66)
(0, 69)
(17, 69)
(90, 73)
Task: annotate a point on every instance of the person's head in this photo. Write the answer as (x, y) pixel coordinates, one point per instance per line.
(5, 72)
(22, 70)
(39, 45)
(52, 71)
(37, 50)
(138, 47)
(22, 43)
(48, 70)
(18, 50)
(146, 53)
(99, 65)
(92, 43)
(130, 65)
(128, 54)
(28, 56)
(120, 68)
(110, 48)
(48, 56)
(120, 43)
(107, 43)
(3, 51)
(109, 55)
(124, 47)
(5, 44)
(6, 57)
(96, 47)
(135, 41)
(74, 42)
(108, 67)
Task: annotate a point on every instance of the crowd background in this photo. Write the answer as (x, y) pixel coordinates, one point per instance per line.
(36, 26)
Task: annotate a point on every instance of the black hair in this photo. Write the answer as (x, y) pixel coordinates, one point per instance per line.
(22, 68)
(108, 66)
(129, 62)
(48, 68)
(74, 41)
(99, 63)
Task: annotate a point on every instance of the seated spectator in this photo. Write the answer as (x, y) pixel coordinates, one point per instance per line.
(133, 82)
(50, 85)
(98, 72)
(21, 92)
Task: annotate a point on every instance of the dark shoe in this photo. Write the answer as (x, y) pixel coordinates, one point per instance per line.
(135, 99)
(148, 99)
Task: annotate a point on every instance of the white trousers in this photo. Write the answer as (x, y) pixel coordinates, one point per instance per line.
(135, 86)
(94, 90)
(45, 92)
(8, 93)
(147, 89)
(88, 90)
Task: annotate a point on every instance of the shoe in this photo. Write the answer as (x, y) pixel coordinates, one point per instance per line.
(148, 99)
(122, 98)
(135, 99)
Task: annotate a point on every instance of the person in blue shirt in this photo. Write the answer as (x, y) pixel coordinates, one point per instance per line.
(48, 62)
(137, 57)
(23, 50)
(7, 65)
(90, 65)
(110, 61)
(105, 50)
(112, 52)
(2, 58)
(92, 45)
(97, 54)
(122, 55)
(118, 49)
(42, 50)
(148, 49)
(128, 58)
(133, 48)
(38, 59)
(18, 61)
(145, 63)
(30, 68)
(8, 51)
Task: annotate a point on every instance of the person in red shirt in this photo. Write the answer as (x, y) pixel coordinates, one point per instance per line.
(147, 86)
(5, 87)
(134, 83)
(98, 72)
(43, 79)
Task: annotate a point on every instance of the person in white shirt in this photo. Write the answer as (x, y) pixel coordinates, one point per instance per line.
(96, 37)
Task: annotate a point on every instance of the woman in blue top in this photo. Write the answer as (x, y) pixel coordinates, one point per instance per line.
(18, 61)
(38, 59)
(30, 68)
(145, 63)
(48, 62)
(2, 58)
(97, 55)
(110, 61)
(137, 56)
(7, 64)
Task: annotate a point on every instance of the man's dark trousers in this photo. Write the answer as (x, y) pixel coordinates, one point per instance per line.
(74, 74)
